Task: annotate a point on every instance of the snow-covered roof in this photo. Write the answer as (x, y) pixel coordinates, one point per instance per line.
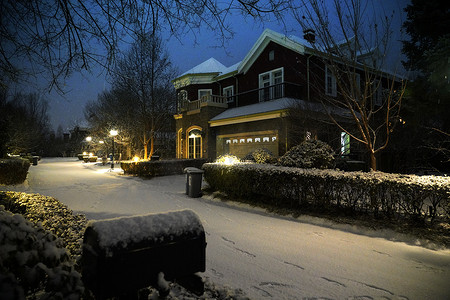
(211, 65)
(247, 113)
(253, 109)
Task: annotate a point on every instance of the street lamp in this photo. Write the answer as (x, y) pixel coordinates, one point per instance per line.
(113, 133)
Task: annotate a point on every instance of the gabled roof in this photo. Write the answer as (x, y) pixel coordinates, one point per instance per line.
(265, 38)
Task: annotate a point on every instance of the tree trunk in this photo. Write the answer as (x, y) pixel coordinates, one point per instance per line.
(145, 150)
(152, 145)
(373, 161)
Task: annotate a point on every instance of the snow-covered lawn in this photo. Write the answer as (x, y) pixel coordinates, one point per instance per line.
(265, 255)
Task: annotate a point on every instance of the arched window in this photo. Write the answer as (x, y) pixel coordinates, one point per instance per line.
(194, 143)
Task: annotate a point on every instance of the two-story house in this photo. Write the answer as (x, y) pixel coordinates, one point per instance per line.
(246, 106)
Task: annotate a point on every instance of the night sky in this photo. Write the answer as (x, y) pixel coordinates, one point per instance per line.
(67, 110)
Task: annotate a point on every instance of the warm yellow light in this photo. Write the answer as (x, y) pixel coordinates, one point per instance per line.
(101, 142)
(135, 159)
(88, 139)
(228, 160)
(113, 132)
(91, 154)
(84, 153)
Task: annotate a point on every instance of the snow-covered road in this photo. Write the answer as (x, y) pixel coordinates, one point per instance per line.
(265, 255)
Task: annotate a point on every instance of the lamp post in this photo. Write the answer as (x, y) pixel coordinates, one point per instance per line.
(113, 133)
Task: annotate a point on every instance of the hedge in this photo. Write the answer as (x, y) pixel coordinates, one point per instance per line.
(13, 170)
(159, 167)
(390, 195)
(51, 214)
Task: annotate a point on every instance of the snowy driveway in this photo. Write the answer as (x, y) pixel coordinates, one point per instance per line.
(269, 257)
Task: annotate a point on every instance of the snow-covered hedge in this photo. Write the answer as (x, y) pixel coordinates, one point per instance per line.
(309, 154)
(374, 192)
(51, 215)
(159, 167)
(13, 170)
(261, 156)
(33, 264)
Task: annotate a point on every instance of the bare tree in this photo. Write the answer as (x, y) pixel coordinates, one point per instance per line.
(141, 103)
(145, 73)
(57, 37)
(27, 123)
(352, 44)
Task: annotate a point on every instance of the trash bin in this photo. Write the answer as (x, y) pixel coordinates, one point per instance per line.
(195, 182)
(122, 255)
(35, 160)
(187, 171)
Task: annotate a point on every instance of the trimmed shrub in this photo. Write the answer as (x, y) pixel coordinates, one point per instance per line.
(418, 197)
(13, 170)
(51, 214)
(309, 154)
(261, 156)
(159, 167)
(33, 263)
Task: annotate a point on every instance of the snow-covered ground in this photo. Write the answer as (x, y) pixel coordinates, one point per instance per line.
(265, 255)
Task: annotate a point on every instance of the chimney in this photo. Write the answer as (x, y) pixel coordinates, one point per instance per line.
(309, 35)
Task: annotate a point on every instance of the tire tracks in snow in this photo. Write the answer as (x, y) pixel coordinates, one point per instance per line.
(236, 248)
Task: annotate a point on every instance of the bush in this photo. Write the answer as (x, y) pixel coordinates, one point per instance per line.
(309, 154)
(13, 170)
(261, 156)
(33, 264)
(376, 193)
(51, 214)
(159, 167)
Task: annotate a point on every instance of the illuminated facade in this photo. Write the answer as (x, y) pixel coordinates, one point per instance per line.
(237, 109)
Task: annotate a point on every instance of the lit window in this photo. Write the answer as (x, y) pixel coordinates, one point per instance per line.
(250, 140)
(257, 140)
(345, 143)
(308, 135)
(266, 139)
(242, 141)
(228, 142)
(235, 141)
(274, 138)
(194, 144)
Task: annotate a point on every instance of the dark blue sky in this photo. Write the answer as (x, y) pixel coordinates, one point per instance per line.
(67, 110)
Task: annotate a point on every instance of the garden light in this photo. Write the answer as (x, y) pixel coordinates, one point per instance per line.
(135, 159)
(228, 159)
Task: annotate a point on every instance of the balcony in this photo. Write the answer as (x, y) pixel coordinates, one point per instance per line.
(268, 93)
(208, 100)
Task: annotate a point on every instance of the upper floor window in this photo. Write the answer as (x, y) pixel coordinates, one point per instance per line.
(330, 82)
(182, 99)
(228, 92)
(204, 93)
(271, 55)
(271, 85)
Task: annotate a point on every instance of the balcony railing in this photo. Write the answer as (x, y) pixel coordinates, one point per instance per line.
(211, 100)
(268, 93)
